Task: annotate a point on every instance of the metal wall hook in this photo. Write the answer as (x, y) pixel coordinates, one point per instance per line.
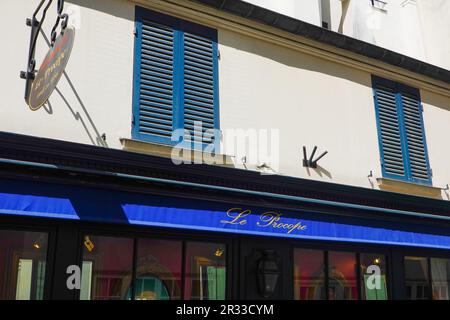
(310, 162)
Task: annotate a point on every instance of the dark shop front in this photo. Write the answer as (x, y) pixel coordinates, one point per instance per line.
(140, 227)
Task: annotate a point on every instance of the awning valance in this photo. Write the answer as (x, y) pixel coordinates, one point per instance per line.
(50, 200)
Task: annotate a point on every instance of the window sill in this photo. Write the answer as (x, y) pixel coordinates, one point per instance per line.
(409, 188)
(166, 151)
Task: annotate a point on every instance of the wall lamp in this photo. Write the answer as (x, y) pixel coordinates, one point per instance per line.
(268, 273)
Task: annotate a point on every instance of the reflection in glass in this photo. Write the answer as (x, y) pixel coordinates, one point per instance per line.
(106, 268)
(309, 274)
(205, 271)
(416, 278)
(22, 265)
(440, 278)
(342, 276)
(158, 270)
(371, 287)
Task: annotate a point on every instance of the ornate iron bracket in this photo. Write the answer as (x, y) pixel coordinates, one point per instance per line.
(36, 25)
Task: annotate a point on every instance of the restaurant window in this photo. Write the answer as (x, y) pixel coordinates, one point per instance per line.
(335, 275)
(115, 268)
(175, 81)
(372, 266)
(158, 270)
(23, 257)
(401, 134)
(416, 278)
(106, 268)
(440, 277)
(309, 274)
(205, 271)
(342, 276)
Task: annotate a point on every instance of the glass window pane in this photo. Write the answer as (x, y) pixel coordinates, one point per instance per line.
(440, 278)
(309, 274)
(158, 270)
(106, 268)
(373, 276)
(205, 271)
(416, 278)
(22, 265)
(342, 283)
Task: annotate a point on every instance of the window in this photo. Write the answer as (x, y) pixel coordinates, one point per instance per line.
(22, 264)
(309, 275)
(423, 273)
(205, 271)
(158, 274)
(416, 278)
(107, 268)
(379, 4)
(401, 134)
(342, 276)
(440, 277)
(372, 289)
(334, 275)
(116, 268)
(175, 82)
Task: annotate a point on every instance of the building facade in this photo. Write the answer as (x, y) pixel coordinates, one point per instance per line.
(275, 150)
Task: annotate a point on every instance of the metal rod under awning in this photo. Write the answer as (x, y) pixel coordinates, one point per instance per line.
(228, 189)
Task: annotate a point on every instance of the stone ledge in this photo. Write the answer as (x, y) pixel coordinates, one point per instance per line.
(409, 188)
(166, 151)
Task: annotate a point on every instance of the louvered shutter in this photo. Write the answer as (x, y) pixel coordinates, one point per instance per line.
(389, 131)
(415, 138)
(199, 85)
(175, 80)
(401, 134)
(156, 80)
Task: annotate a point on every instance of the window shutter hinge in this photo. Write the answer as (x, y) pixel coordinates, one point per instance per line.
(218, 54)
(135, 33)
(133, 122)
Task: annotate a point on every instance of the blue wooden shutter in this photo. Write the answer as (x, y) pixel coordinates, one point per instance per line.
(415, 138)
(175, 79)
(200, 77)
(401, 132)
(389, 131)
(199, 86)
(156, 94)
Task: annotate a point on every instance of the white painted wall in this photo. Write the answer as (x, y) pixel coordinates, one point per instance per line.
(306, 10)
(262, 86)
(100, 70)
(436, 110)
(434, 16)
(311, 101)
(416, 28)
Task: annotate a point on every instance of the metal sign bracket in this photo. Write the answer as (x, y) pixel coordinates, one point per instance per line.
(36, 26)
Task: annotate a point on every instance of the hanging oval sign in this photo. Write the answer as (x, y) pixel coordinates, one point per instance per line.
(51, 69)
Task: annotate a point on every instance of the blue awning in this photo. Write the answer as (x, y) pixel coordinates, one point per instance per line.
(99, 205)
